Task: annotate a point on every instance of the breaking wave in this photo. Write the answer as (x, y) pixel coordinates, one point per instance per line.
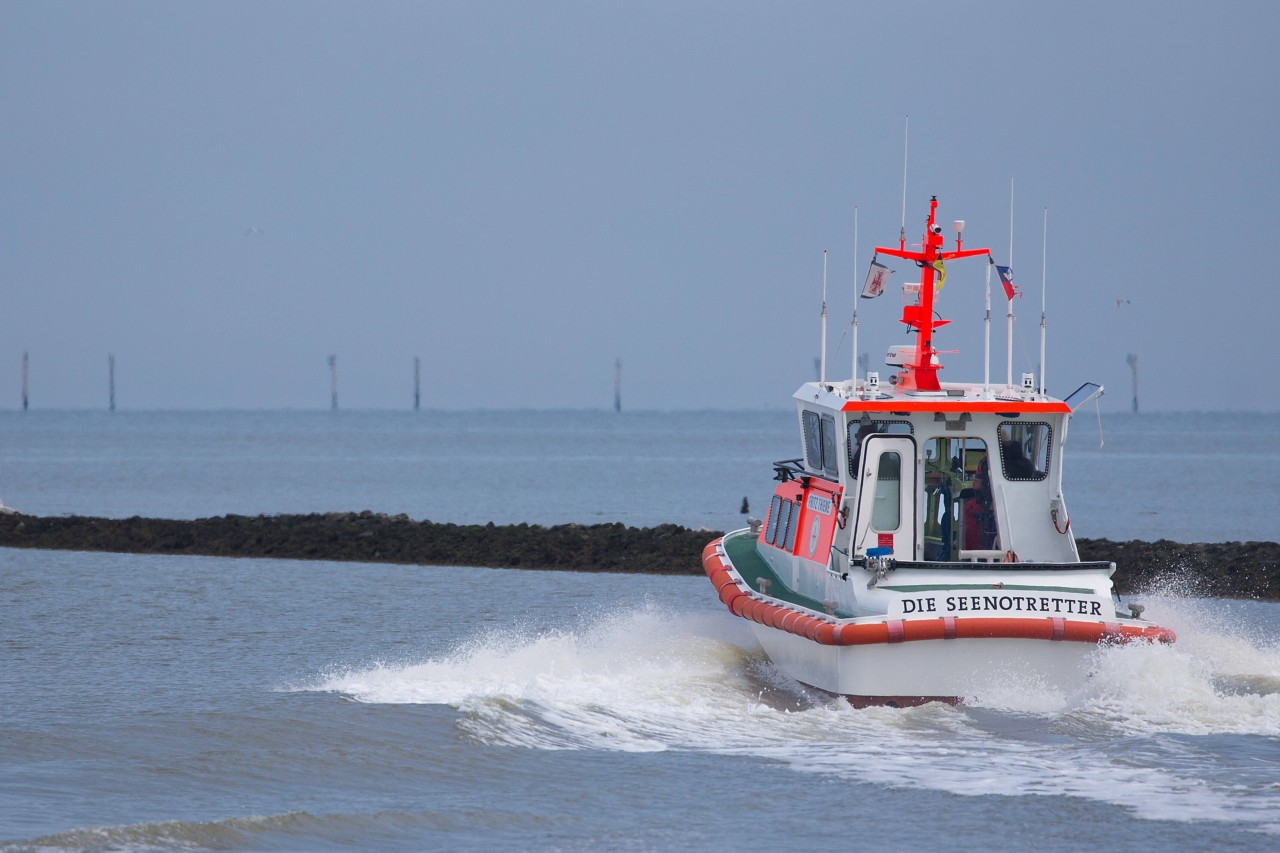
(1137, 734)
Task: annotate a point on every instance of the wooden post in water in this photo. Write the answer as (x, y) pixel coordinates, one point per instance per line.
(1133, 366)
(333, 383)
(417, 383)
(617, 385)
(24, 381)
(111, 382)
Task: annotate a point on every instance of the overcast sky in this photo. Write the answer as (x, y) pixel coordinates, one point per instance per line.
(224, 194)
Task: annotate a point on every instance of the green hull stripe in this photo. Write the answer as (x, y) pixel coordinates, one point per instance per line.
(935, 587)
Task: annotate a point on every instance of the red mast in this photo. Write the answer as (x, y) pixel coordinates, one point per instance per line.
(922, 373)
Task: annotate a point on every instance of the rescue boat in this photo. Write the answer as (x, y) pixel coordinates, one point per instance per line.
(920, 548)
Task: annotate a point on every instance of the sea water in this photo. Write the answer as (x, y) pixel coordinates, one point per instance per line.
(201, 703)
(159, 703)
(1190, 477)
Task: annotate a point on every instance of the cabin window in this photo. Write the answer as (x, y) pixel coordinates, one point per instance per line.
(778, 525)
(792, 514)
(886, 512)
(959, 514)
(829, 463)
(812, 440)
(820, 443)
(771, 532)
(1024, 450)
(781, 529)
(859, 430)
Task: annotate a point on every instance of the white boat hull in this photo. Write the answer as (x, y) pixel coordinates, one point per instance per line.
(1007, 635)
(927, 670)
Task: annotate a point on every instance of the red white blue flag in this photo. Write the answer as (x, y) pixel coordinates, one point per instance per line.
(1006, 278)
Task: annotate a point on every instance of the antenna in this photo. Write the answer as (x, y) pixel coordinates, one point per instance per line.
(822, 367)
(417, 383)
(1011, 222)
(1008, 349)
(902, 233)
(856, 300)
(986, 336)
(617, 385)
(1044, 278)
(333, 383)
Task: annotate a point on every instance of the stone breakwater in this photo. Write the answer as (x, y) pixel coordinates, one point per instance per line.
(1228, 569)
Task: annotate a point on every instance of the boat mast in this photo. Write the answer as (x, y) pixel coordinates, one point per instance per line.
(922, 373)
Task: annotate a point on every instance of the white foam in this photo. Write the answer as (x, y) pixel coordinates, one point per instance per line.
(607, 684)
(650, 680)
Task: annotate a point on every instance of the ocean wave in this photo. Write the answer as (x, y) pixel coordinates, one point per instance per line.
(229, 834)
(288, 831)
(651, 680)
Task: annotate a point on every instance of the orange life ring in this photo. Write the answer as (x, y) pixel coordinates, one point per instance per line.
(837, 632)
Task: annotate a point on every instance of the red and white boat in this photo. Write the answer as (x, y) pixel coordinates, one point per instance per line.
(920, 549)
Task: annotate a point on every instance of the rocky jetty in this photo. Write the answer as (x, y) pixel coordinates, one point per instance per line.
(374, 538)
(1228, 569)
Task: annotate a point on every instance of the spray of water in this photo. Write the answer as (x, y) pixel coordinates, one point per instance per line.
(647, 680)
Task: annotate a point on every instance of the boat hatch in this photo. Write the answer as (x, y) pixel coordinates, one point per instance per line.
(885, 514)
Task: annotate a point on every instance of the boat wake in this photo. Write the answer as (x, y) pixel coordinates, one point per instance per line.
(1147, 732)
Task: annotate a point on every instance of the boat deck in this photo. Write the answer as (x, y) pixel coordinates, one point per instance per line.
(740, 546)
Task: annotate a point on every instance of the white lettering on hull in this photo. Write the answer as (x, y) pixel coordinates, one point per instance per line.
(1002, 603)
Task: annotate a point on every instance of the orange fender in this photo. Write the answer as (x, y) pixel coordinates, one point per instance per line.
(737, 598)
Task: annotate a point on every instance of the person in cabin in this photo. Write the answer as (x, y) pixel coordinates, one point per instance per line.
(979, 518)
(1016, 464)
(863, 432)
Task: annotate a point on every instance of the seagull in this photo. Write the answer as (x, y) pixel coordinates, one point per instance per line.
(1120, 302)
(253, 229)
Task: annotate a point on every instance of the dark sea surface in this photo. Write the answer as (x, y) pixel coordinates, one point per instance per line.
(191, 703)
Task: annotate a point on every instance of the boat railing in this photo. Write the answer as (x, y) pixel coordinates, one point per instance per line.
(1092, 565)
(786, 470)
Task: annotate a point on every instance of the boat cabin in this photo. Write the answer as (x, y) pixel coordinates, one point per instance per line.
(964, 474)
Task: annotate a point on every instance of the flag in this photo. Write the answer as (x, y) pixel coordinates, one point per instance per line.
(877, 279)
(941, 270)
(1006, 278)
